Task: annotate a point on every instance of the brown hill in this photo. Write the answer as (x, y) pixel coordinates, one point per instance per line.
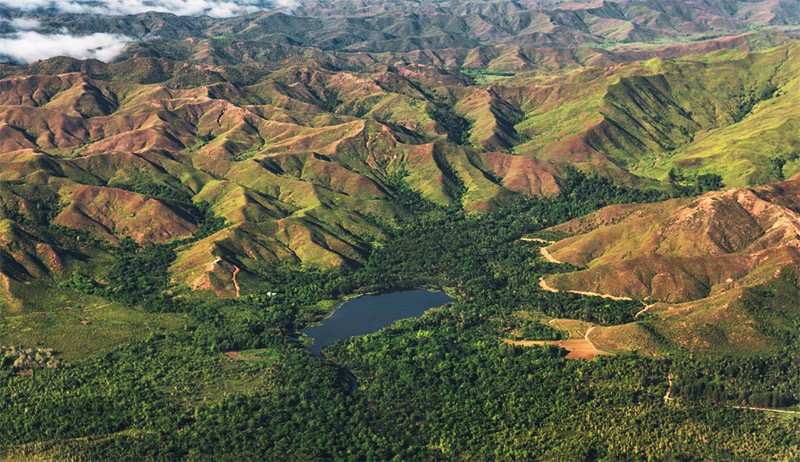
(112, 214)
(684, 249)
(301, 158)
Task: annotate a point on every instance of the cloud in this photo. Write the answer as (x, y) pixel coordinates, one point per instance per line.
(25, 23)
(287, 4)
(18, 24)
(28, 46)
(214, 8)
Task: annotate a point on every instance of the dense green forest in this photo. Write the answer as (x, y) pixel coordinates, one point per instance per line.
(439, 387)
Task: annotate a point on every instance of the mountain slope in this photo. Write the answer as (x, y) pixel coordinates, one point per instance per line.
(684, 250)
(729, 114)
(307, 157)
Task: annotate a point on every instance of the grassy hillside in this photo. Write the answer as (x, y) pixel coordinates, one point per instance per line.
(302, 163)
(724, 113)
(706, 269)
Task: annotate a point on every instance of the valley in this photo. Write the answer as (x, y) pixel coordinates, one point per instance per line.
(601, 198)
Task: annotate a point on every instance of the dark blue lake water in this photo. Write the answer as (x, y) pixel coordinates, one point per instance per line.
(370, 313)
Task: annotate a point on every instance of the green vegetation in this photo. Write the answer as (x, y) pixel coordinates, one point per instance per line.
(84, 284)
(312, 176)
(538, 331)
(456, 127)
(760, 381)
(29, 205)
(439, 387)
(139, 275)
(773, 305)
(141, 183)
(486, 76)
(686, 187)
(248, 154)
(25, 359)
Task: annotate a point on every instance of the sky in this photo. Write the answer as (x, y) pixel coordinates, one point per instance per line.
(25, 44)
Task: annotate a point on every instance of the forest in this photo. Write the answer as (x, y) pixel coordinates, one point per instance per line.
(439, 387)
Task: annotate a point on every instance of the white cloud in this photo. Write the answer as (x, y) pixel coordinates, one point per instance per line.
(214, 8)
(30, 46)
(18, 24)
(25, 23)
(287, 4)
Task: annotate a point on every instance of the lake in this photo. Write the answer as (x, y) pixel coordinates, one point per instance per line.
(370, 313)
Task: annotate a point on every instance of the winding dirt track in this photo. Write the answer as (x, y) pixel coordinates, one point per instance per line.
(644, 310)
(545, 286)
(542, 250)
(586, 337)
(535, 239)
(235, 282)
(669, 389)
(595, 294)
(549, 257)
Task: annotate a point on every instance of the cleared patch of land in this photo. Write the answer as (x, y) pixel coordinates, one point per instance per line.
(256, 355)
(578, 342)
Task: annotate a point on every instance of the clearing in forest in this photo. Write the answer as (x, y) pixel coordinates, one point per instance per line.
(578, 342)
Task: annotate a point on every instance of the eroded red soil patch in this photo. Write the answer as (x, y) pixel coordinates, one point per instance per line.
(577, 348)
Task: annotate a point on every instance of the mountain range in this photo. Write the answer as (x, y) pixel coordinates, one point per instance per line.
(613, 181)
(300, 160)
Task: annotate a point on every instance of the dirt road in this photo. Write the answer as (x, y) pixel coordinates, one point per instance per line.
(535, 239)
(235, 282)
(667, 396)
(549, 257)
(767, 409)
(595, 294)
(586, 337)
(545, 286)
(644, 310)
